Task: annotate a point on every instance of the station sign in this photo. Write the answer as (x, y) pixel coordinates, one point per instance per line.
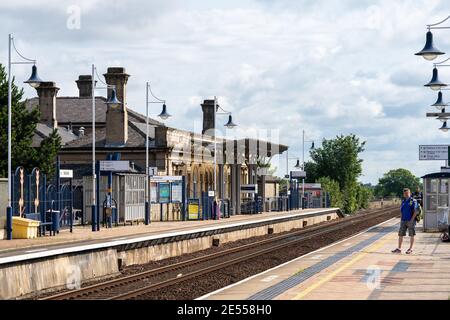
(434, 152)
(298, 174)
(152, 171)
(66, 174)
(249, 188)
(114, 165)
(166, 178)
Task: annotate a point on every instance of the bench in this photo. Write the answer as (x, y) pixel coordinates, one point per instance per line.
(42, 225)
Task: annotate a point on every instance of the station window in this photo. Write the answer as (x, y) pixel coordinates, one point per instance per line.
(432, 186)
(444, 187)
(443, 200)
(431, 202)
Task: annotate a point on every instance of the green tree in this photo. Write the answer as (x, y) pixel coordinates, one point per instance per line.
(332, 188)
(364, 196)
(393, 182)
(24, 124)
(338, 159)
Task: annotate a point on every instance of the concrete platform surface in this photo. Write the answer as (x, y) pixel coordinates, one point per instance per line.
(359, 268)
(83, 238)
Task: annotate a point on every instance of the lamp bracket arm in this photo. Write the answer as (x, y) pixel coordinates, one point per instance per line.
(100, 79)
(149, 88)
(225, 112)
(441, 63)
(431, 26)
(29, 61)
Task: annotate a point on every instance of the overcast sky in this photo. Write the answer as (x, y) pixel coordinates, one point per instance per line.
(326, 66)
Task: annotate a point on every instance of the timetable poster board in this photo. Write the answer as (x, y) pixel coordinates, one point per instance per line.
(164, 192)
(193, 209)
(153, 192)
(177, 192)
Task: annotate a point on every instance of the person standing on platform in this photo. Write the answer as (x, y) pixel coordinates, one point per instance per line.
(409, 211)
(418, 195)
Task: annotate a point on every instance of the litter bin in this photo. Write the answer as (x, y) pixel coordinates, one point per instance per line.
(24, 228)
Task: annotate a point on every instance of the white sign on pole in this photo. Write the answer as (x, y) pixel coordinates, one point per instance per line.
(152, 171)
(436, 152)
(249, 188)
(166, 178)
(298, 174)
(114, 165)
(66, 174)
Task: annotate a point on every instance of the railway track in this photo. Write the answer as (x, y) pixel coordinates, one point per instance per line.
(133, 286)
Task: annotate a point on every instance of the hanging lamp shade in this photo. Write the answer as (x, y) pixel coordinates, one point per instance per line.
(34, 79)
(298, 166)
(435, 83)
(429, 52)
(230, 124)
(439, 104)
(444, 127)
(113, 98)
(164, 114)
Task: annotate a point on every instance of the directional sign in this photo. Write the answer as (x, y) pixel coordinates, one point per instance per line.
(114, 165)
(166, 178)
(66, 174)
(249, 188)
(436, 152)
(298, 174)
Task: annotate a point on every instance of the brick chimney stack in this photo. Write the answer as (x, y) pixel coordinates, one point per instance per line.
(116, 116)
(47, 92)
(84, 84)
(208, 116)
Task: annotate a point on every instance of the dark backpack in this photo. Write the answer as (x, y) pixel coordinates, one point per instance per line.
(419, 211)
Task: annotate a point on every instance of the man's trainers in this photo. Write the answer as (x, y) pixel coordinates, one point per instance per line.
(397, 251)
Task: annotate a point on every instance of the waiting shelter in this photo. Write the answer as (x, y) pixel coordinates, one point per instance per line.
(436, 201)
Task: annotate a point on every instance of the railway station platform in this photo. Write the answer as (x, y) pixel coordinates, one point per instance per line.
(46, 263)
(358, 268)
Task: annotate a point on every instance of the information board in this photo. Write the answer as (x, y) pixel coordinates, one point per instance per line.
(153, 192)
(177, 192)
(164, 192)
(114, 165)
(436, 152)
(193, 209)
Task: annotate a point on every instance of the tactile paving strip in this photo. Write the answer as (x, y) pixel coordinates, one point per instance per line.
(281, 287)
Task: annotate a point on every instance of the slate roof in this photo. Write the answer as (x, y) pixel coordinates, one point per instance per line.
(136, 139)
(43, 131)
(76, 109)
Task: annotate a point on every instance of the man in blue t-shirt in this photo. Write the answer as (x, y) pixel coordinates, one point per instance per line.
(409, 210)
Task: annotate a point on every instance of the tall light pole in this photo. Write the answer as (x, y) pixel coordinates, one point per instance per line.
(164, 116)
(112, 100)
(230, 125)
(34, 81)
(303, 161)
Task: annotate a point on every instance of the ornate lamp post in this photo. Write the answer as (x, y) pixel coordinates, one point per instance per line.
(34, 81)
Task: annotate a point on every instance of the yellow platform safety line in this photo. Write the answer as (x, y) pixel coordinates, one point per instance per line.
(331, 275)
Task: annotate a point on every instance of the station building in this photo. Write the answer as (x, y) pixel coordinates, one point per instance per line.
(173, 151)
